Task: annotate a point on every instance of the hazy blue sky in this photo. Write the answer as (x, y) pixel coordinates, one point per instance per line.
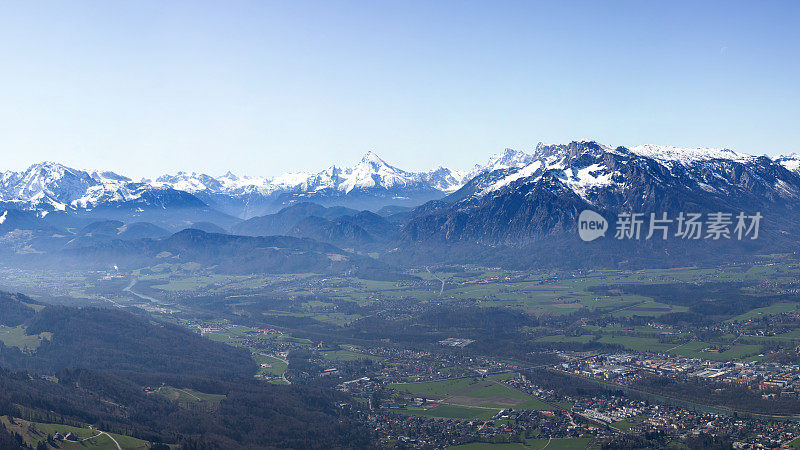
(144, 87)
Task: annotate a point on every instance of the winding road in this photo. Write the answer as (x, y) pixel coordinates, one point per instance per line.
(103, 433)
(441, 291)
(112, 440)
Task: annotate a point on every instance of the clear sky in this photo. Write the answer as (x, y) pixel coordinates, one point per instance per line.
(144, 87)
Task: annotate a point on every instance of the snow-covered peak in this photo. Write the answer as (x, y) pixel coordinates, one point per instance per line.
(46, 183)
(504, 160)
(291, 180)
(584, 166)
(188, 182)
(517, 174)
(50, 166)
(107, 176)
(372, 171)
(444, 179)
(660, 153)
(558, 159)
(687, 155)
(372, 159)
(53, 186)
(372, 164)
(790, 161)
(508, 158)
(48, 172)
(244, 184)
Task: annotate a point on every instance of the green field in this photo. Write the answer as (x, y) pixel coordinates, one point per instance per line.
(276, 366)
(504, 376)
(333, 318)
(699, 350)
(626, 424)
(432, 388)
(542, 293)
(16, 337)
(33, 433)
(649, 308)
(582, 339)
(776, 308)
(639, 344)
(537, 294)
(486, 393)
(189, 398)
(236, 335)
(724, 350)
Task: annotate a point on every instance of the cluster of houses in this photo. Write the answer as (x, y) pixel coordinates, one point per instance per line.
(627, 367)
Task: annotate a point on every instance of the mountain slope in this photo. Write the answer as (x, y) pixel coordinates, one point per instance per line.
(336, 225)
(50, 186)
(362, 230)
(224, 253)
(282, 222)
(538, 204)
(111, 339)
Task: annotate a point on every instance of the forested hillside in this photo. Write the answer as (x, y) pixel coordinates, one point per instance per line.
(95, 338)
(109, 368)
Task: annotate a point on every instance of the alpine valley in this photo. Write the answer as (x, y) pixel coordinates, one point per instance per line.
(374, 307)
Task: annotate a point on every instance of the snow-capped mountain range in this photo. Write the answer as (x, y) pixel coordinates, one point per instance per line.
(52, 186)
(371, 172)
(586, 167)
(371, 183)
(590, 170)
(539, 202)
